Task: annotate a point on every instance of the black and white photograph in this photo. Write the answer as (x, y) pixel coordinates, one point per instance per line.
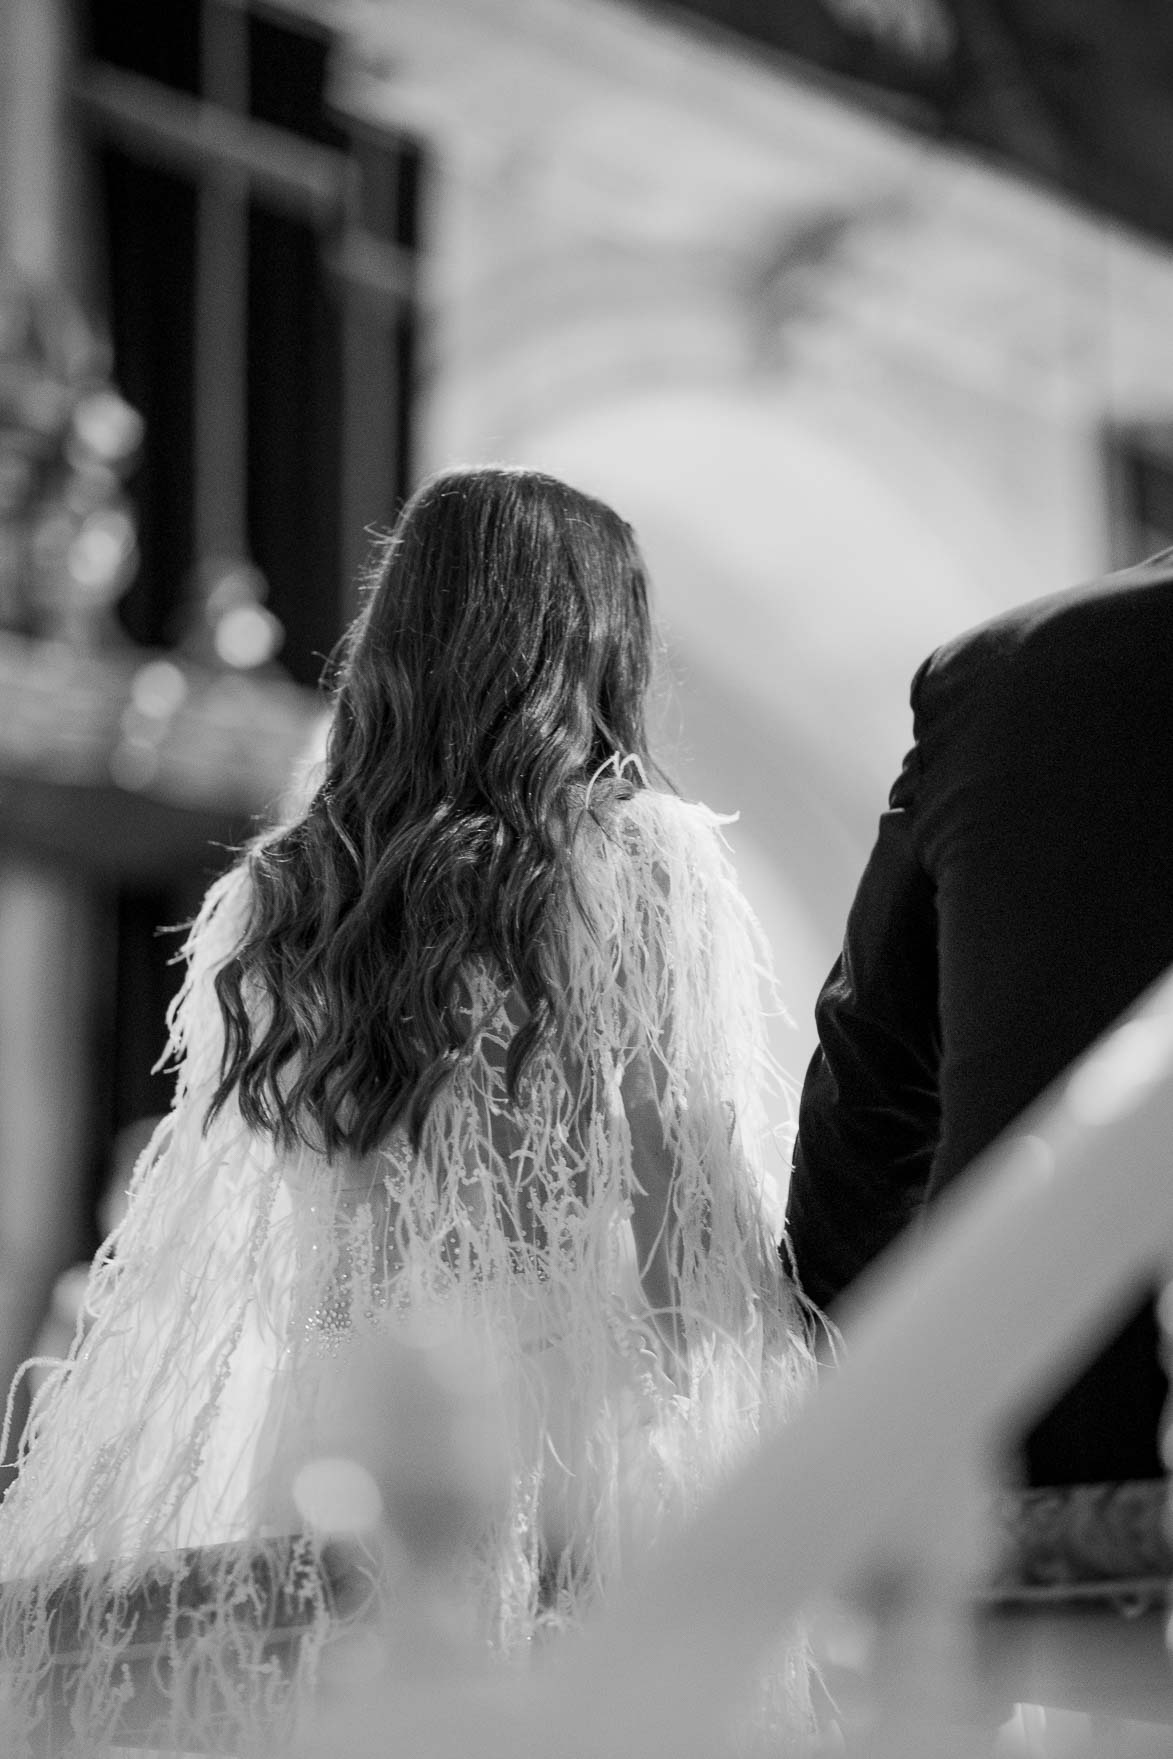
(586, 879)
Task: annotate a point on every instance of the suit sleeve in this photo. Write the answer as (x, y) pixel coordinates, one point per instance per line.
(869, 1114)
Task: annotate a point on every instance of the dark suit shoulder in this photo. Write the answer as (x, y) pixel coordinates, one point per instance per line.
(1124, 612)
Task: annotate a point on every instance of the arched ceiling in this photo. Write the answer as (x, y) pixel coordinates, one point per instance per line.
(1075, 93)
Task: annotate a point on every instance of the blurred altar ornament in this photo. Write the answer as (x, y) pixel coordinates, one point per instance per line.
(212, 727)
(228, 623)
(84, 545)
(65, 439)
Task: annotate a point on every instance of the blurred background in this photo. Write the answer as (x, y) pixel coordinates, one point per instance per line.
(858, 309)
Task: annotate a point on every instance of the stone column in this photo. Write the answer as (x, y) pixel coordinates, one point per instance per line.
(47, 939)
(46, 1002)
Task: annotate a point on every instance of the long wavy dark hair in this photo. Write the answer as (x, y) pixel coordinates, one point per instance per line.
(502, 657)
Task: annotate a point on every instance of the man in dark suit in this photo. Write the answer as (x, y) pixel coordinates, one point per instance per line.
(1019, 897)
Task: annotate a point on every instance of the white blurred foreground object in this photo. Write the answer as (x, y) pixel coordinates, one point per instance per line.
(1063, 1220)
(411, 1460)
(408, 1466)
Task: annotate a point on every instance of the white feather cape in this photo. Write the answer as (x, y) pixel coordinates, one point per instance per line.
(217, 1308)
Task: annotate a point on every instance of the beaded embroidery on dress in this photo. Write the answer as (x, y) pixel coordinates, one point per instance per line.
(217, 1305)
